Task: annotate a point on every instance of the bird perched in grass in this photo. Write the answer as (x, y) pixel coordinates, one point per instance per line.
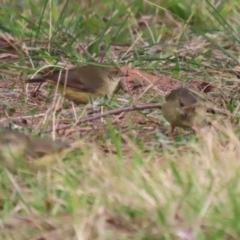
(18, 150)
(183, 108)
(78, 83)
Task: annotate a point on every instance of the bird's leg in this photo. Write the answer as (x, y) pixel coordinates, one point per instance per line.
(172, 128)
(195, 130)
(35, 92)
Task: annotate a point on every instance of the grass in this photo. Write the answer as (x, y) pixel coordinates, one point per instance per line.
(130, 180)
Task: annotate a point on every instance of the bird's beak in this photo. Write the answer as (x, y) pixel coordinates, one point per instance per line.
(186, 114)
(188, 110)
(121, 74)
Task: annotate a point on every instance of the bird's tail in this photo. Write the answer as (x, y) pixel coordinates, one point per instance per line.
(35, 80)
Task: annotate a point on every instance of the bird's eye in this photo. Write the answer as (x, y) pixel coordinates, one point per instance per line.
(181, 104)
(117, 72)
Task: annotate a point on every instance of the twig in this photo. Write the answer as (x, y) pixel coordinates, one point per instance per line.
(220, 111)
(129, 109)
(112, 112)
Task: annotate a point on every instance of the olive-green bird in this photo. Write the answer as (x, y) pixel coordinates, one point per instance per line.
(78, 83)
(183, 108)
(18, 149)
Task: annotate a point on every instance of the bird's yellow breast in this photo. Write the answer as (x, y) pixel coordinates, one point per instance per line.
(81, 97)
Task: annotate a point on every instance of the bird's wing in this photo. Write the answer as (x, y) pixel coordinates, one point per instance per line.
(80, 82)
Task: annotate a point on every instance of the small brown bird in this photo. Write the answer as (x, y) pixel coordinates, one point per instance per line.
(78, 83)
(183, 108)
(18, 149)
